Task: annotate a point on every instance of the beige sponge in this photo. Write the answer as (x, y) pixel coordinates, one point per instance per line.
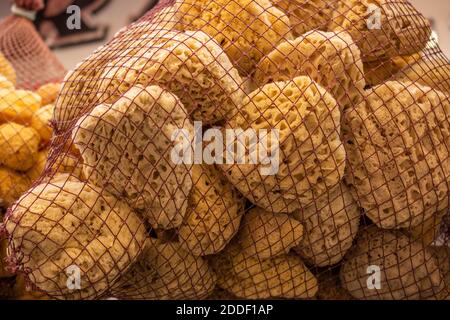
(407, 269)
(331, 59)
(191, 65)
(331, 225)
(214, 212)
(264, 234)
(307, 15)
(382, 28)
(311, 156)
(68, 226)
(246, 29)
(398, 154)
(166, 271)
(248, 277)
(127, 149)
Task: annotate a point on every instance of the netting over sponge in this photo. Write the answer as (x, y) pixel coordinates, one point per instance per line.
(397, 148)
(239, 149)
(35, 65)
(311, 155)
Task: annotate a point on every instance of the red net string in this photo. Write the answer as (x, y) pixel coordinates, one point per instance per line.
(21, 44)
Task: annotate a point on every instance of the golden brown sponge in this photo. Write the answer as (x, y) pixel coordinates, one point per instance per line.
(40, 121)
(166, 271)
(127, 149)
(39, 166)
(70, 223)
(19, 146)
(191, 65)
(5, 83)
(408, 270)
(214, 212)
(331, 59)
(397, 150)
(311, 155)
(7, 70)
(307, 15)
(49, 92)
(12, 186)
(18, 106)
(246, 29)
(382, 28)
(378, 71)
(431, 71)
(331, 225)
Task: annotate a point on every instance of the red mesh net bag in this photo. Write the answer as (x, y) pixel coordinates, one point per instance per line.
(29, 75)
(247, 149)
(21, 44)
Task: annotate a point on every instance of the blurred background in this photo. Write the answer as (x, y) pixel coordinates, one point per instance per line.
(101, 19)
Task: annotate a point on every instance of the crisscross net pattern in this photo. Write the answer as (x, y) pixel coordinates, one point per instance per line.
(155, 187)
(23, 47)
(25, 134)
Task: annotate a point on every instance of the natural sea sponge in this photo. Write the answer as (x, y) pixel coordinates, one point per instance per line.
(378, 71)
(19, 146)
(330, 287)
(71, 223)
(246, 29)
(166, 271)
(39, 166)
(382, 28)
(330, 59)
(70, 164)
(397, 151)
(49, 92)
(248, 277)
(213, 215)
(428, 231)
(442, 253)
(79, 92)
(331, 225)
(191, 65)
(5, 83)
(408, 270)
(127, 149)
(7, 70)
(12, 186)
(431, 71)
(307, 15)
(266, 235)
(18, 106)
(40, 121)
(310, 154)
